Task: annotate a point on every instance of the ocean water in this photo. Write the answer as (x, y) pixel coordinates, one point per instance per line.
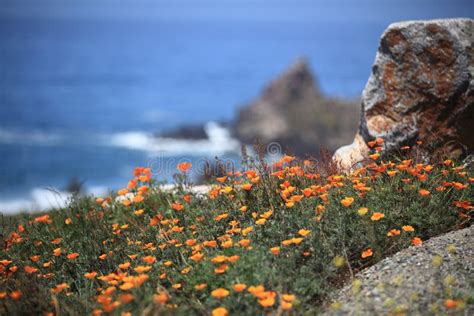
(85, 86)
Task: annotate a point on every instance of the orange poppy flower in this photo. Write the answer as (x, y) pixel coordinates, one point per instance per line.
(374, 156)
(304, 232)
(126, 298)
(30, 269)
(161, 298)
(141, 269)
(90, 275)
(127, 286)
(59, 288)
(124, 266)
(42, 219)
(72, 256)
(408, 228)
(347, 201)
(416, 241)
(220, 293)
(220, 311)
(239, 287)
(267, 302)
(200, 286)
(221, 179)
(184, 166)
(56, 241)
(35, 258)
(286, 305)
(57, 252)
(392, 173)
(122, 192)
(221, 269)
(197, 256)
(424, 192)
(260, 221)
(246, 186)
(16, 295)
(244, 242)
(138, 198)
(450, 304)
(367, 253)
(296, 241)
(177, 206)
(149, 259)
(377, 216)
(275, 250)
(393, 232)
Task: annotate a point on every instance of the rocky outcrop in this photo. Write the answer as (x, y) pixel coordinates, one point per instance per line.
(421, 87)
(293, 112)
(414, 281)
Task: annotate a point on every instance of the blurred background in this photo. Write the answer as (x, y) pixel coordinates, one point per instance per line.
(89, 89)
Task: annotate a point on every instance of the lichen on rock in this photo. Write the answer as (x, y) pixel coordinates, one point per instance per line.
(421, 87)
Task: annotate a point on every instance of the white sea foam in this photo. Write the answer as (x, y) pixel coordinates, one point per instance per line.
(218, 142)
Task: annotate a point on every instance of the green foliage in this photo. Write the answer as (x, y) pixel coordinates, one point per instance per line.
(290, 198)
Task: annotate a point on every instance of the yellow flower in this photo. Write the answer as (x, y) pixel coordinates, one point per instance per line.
(288, 297)
(138, 212)
(362, 211)
(338, 261)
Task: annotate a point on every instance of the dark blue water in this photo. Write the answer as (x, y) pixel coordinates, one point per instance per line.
(71, 72)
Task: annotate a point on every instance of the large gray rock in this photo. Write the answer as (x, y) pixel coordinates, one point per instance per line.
(421, 87)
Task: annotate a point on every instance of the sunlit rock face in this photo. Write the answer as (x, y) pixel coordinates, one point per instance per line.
(421, 88)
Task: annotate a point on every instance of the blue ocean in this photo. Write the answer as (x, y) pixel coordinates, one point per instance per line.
(85, 85)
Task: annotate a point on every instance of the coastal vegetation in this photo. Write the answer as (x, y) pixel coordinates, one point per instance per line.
(273, 238)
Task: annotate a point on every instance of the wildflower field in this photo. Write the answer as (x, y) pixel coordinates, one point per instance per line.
(271, 239)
